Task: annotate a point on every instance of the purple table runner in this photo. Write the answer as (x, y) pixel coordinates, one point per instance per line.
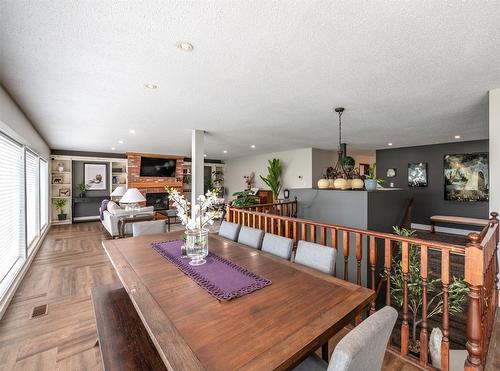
(223, 279)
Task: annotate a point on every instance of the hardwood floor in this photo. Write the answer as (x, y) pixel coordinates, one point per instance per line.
(69, 263)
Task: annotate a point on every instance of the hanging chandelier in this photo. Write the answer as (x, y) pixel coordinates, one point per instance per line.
(339, 171)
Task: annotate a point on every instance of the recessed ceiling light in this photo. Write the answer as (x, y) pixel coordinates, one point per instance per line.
(225, 151)
(120, 141)
(389, 144)
(185, 46)
(252, 146)
(113, 148)
(131, 131)
(457, 136)
(204, 155)
(151, 86)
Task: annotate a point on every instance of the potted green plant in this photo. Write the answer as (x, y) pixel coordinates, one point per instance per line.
(348, 162)
(371, 180)
(457, 290)
(244, 198)
(60, 203)
(273, 178)
(81, 188)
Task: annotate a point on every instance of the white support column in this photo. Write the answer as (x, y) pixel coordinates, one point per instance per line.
(494, 137)
(197, 163)
(495, 150)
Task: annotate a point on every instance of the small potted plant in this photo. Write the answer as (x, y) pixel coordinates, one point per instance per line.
(60, 204)
(81, 188)
(371, 180)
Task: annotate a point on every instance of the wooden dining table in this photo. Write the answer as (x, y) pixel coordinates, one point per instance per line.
(273, 328)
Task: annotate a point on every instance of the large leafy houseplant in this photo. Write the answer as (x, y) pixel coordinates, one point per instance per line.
(457, 290)
(245, 198)
(273, 178)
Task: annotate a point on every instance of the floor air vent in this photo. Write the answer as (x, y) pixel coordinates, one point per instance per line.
(39, 311)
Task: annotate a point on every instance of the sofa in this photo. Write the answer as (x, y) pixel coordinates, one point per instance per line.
(115, 212)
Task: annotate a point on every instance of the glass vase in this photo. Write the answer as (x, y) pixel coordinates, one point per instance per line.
(197, 246)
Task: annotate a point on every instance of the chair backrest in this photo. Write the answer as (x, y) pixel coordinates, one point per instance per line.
(364, 347)
(313, 255)
(251, 237)
(277, 245)
(229, 230)
(149, 227)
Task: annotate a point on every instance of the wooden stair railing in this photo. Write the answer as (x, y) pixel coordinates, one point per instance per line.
(479, 272)
(284, 208)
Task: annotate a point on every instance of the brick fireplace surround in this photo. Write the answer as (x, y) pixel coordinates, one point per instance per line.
(152, 184)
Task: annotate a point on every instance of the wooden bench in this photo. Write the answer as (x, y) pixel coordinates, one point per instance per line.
(456, 220)
(123, 340)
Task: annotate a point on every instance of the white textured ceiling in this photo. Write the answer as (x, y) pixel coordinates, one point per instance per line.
(262, 72)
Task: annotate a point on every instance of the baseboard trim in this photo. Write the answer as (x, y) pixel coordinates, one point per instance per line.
(86, 218)
(426, 227)
(4, 303)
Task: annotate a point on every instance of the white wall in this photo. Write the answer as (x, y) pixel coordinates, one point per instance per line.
(14, 123)
(297, 170)
(495, 150)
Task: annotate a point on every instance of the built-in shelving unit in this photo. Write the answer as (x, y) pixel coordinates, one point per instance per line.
(216, 171)
(60, 187)
(118, 170)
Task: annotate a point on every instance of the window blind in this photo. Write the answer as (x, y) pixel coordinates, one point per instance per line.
(44, 193)
(12, 245)
(31, 197)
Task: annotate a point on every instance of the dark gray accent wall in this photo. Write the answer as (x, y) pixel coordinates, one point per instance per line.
(378, 211)
(64, 152)
(88, 208)
(430, 200)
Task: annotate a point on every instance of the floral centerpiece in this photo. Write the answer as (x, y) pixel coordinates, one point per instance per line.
(196, 220)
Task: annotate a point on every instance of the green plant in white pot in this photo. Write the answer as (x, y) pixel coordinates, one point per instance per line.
(371, 180)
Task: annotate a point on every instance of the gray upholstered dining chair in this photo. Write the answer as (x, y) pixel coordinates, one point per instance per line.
(251, 237)
(229, 230)
(316, 256)
(277, 245)
(149, 227)
(361, 349)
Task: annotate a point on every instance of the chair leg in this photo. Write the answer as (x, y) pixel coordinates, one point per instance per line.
(324, 352)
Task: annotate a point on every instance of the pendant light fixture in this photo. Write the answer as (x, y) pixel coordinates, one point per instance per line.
(339, 170)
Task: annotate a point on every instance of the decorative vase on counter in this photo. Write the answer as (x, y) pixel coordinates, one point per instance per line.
(357, 183)
(197, 245)
(340, 183)
(331, 183)
(60, 168)
(371, 184)
(323, 183)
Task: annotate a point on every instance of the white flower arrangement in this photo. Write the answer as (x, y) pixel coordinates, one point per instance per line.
(202, 216)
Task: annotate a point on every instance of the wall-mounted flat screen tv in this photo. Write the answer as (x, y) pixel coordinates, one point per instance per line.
(158, 167)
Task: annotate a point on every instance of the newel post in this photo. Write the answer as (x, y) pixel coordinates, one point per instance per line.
(493, 221)
(474, 269)
(229, 212)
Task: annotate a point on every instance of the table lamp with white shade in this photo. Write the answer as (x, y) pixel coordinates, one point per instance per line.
(118, 192)
(131, 198)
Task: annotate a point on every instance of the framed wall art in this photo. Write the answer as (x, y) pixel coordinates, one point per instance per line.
(466, 177)
(417, 174)
(94, 176)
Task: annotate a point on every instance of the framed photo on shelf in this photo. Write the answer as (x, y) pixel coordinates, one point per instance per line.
(57, 179)
(363, 169)
(64, 192)
(417, 174)
(94, 175)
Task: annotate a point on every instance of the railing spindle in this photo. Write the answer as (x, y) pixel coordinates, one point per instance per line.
(322, 234)
(404, 325)
(313, 233)
(373, 263)
(445, 279)
(359, 256)
(295, 233)
(303, 232)
(387, 267)
(333, 237)
(345, 248)
(424, 335)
